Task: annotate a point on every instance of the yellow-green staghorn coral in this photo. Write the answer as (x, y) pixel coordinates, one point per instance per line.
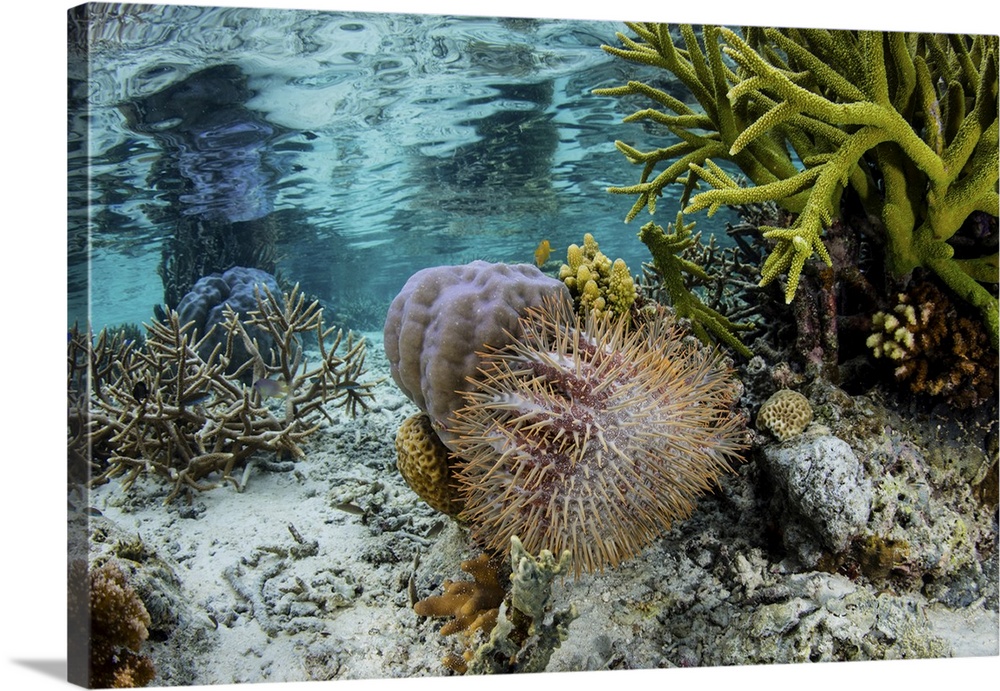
(907, 122)
(667, 249)
(596, 283)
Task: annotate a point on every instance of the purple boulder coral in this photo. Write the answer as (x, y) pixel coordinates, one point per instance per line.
(445, 316)
(204, 305)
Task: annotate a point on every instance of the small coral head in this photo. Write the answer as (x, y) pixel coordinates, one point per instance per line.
(593, 435)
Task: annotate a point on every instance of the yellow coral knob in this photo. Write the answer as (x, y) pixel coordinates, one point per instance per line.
(602, 265)
(574, 256)
(621, 287)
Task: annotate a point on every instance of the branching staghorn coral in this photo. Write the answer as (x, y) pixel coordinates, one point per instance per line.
(164, 409)
(906, 122)
(671, 266)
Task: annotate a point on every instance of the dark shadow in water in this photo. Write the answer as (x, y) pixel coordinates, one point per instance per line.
(505, 173)
(509, 167)
(216, 172)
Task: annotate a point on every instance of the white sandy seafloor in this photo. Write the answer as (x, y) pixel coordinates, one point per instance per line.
(306, 575)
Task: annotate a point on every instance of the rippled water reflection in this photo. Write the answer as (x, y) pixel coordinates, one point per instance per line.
(358, 147)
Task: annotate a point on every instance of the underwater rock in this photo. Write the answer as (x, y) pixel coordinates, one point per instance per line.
(824, 617)
(205, 302)
(823, 492)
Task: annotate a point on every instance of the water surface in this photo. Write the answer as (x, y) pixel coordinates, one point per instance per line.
(345, 150)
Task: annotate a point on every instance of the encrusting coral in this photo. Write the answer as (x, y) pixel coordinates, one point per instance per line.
(161, 408)
(933, 349)
(906, 122)
(596, 283)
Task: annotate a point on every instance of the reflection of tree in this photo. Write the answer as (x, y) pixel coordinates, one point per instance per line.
(214, 173)
(508, 169)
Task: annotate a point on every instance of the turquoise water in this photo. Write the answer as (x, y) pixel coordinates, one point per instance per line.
(365, 146)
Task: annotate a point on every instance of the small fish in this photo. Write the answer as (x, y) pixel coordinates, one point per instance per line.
(271, 387)
(542, 253)
(349, 507)
(140, 391)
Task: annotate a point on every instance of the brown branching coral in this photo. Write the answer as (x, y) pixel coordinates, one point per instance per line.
(90, 363)
(335, 378)
(934, 349)
(119, 624)
(164, 409)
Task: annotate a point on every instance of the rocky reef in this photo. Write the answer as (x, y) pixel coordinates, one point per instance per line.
(589, 472)
(856, 529)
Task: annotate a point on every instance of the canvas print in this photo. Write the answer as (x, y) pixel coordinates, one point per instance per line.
(411, 345)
